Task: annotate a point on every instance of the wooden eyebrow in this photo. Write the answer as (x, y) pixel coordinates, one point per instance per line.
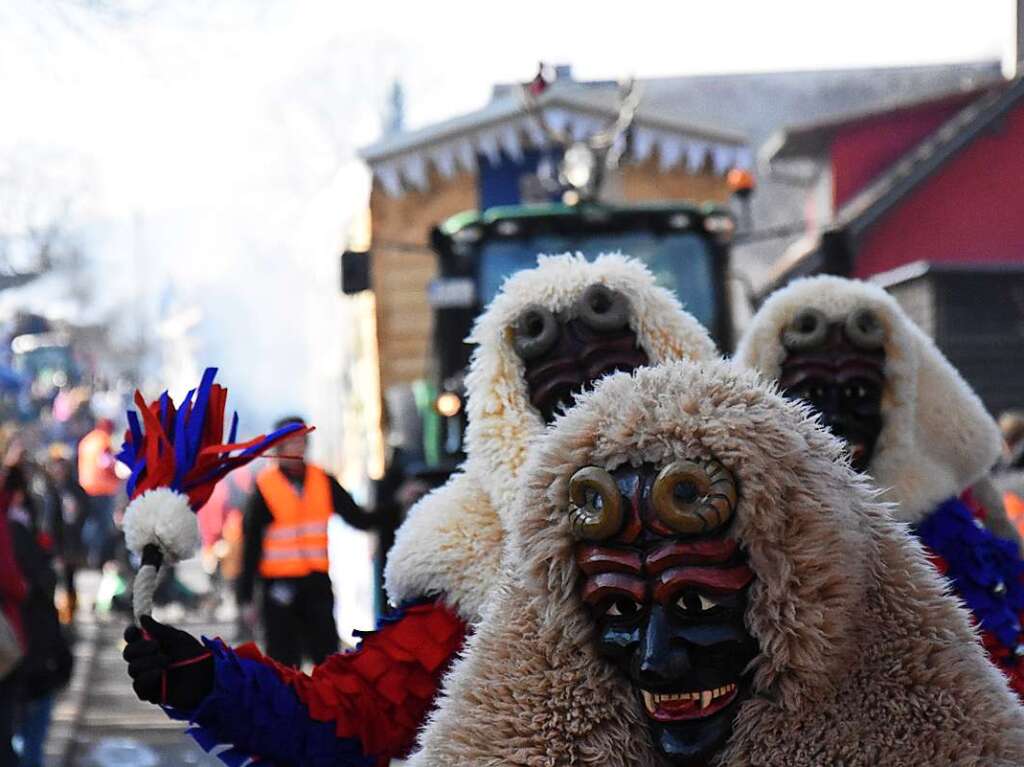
(603, 559)
(674, 553)
(720, 579)
(598, 587)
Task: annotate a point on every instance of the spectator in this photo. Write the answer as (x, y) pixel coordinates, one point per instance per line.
(96, 475)
(68, 506)
(285, 546)
(1010, 478)
(47, 664)
(12, 593)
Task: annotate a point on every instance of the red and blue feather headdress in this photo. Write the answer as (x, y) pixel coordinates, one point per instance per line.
(177, 454)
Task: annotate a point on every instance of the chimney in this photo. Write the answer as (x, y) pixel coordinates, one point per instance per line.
(1013, 61)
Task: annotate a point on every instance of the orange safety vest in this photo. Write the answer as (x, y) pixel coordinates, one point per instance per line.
(1014, 506)
(295, 543)
(96, 464)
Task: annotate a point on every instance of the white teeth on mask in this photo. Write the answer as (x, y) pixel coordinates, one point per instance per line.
(651, 699)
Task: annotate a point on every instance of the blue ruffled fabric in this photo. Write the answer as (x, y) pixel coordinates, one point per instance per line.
(986, 571)
(262, 719)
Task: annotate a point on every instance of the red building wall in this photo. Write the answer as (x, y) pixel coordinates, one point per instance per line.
(970, 211)
(863, 149)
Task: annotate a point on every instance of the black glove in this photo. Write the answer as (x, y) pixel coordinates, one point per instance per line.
(167, 666)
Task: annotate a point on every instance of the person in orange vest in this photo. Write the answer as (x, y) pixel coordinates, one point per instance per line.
(96, 475)
(1010, 476)
(285, 548)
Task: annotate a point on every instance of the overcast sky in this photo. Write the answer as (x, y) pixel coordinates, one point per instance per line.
(214, 146)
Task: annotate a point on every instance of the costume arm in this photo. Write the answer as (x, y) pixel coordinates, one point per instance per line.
(357, 709)
(348, 509)
(449, 545)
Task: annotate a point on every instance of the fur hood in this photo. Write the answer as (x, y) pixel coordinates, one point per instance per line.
(502, 423)
(937, 438)
(864, 659)
(451, 543)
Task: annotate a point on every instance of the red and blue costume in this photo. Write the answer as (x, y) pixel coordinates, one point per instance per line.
(360, 708)
(987, 573)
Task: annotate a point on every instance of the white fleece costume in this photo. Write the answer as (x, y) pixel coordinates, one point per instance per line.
(451, 544)
(937, 440)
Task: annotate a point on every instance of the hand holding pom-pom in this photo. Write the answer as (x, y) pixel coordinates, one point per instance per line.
(167, 666)
(176, 456)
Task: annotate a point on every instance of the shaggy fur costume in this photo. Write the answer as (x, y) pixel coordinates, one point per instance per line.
(864, 659)
(451, 544)
(937, 438)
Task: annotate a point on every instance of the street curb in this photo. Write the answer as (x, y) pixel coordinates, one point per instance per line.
(88, 640)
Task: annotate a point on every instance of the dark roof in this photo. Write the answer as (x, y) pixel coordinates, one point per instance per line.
(756, 105)
(812, 139)
(893, 185)
(724, 106)
(760, 104)
(599, 100)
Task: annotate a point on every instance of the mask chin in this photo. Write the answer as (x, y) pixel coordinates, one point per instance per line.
(860, 442)
(693, 744)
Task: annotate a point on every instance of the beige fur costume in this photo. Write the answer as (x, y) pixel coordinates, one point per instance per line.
(937, 438)
(864, 660)
(451, 544)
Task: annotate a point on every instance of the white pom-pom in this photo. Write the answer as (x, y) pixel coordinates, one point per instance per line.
(163, 517)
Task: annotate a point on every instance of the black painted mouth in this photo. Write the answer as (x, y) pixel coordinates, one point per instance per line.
(576, 363)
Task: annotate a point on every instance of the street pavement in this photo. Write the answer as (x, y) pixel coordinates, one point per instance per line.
(98, 721)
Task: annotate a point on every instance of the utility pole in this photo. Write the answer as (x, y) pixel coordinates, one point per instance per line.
(1013, 60)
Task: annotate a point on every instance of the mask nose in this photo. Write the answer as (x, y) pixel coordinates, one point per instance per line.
(659, 661)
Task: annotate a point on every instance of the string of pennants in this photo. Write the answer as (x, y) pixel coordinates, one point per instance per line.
(513, 138)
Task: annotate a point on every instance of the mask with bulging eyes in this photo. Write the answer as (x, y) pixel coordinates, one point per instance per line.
(666, 589)
(838, 368)
(563, 354)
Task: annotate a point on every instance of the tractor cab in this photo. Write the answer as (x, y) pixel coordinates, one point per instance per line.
(686, 246)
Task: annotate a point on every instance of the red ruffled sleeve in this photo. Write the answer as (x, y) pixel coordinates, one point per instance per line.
(381, 692)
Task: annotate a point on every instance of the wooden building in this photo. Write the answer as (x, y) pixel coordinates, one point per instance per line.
(495, 156)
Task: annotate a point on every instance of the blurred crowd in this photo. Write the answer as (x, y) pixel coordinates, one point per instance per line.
(57, 503)
(61, 503)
